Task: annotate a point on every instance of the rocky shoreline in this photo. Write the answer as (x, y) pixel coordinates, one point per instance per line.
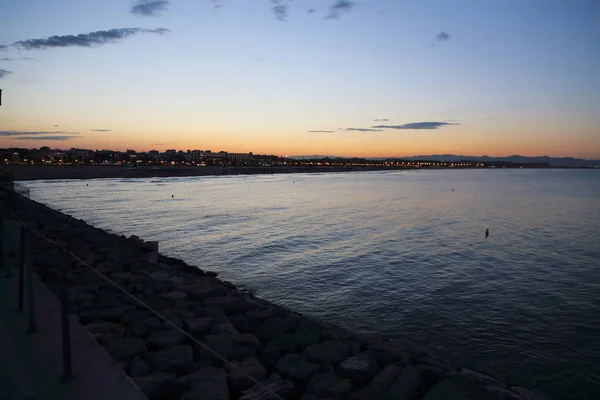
(296, 357)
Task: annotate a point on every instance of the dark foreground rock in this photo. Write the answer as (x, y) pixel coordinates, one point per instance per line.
(218, 342)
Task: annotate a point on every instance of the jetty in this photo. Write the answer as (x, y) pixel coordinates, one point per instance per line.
(86, 314)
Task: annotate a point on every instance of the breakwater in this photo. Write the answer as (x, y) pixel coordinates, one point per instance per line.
(250, 340)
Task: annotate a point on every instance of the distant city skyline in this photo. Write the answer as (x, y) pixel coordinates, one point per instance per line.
(372, 78)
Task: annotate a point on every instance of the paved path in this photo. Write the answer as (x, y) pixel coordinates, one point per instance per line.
(31, 364)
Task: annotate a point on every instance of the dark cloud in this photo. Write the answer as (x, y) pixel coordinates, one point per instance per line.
(311, 11)
(440, 37)
(4, 72)
(91, 39)
(381, 120)
(46, 137)
(100, 130)
(280, 10)
(415, 125)
(7, 59)
(19, 133)
(3, 47)
(321, 131)
(364, 129)
(340, 6)
(149, 8)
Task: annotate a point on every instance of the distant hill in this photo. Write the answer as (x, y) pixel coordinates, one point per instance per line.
(552, 161)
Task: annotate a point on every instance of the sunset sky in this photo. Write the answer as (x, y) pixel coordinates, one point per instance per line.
(347, 78)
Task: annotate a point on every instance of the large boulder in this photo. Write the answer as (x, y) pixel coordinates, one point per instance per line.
(273, 327)
(165, 339)
(413, 381)
(296, 367)
(156, 386)
(360, 369)
(138, 367)
(230, 347)
(104, 331)
(198, 327)
(265, 390)
(208, 384)
(178, 359)
(246, 373)
(124, 349)
(143, 327)
(327, 352)
(329, 385)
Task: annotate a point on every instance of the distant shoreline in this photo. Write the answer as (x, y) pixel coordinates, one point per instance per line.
(49, 172)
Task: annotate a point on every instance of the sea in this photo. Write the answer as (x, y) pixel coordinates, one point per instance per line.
(400, 253)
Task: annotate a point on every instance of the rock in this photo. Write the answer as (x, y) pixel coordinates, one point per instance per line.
(458, 389)
(224, 327)
(108, 299)
(380, 384)
(230, 347)
(264, 391)
(360, 369)
(296, 367)
(250, 368)
(124, 349)
(273, 327)
(138, 367)
(333, 352)
(201, 291)
(309, 397)
(294, 342)
(156, 386)
(114, 314)
(134, 316)
(143, 327)
(197, 327)
(121, 276)
(178, 359)
(174, 295)
(104, 331)
(329, 385)
(245, 324)
(209, 384)
(165, 339)
(412, 382)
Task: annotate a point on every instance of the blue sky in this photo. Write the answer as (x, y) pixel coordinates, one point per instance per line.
(495, 77)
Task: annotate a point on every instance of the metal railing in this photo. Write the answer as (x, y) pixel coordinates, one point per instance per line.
(26, 276)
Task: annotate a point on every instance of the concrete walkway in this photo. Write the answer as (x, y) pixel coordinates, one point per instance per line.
(31, 364)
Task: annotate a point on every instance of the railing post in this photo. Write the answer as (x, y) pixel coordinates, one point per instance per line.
(22, 261)
(66, 330)
(28, 266)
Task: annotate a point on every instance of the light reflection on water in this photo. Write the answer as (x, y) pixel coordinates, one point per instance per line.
(398, 253)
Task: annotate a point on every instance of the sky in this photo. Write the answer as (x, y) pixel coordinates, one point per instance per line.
(369, 78)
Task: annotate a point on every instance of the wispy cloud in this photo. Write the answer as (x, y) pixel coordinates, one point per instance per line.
(19, 133)
(340, 6)
(321, 131)
(17, 59)
(61, 137)
(100, 130)
(415, 125)
(442, 36)
(92, 39)
(364, 129)
(149, 8)
(4, 72)
(381, 120)
(311, 11)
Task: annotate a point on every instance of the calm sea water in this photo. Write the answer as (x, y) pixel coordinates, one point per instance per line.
(398, 253)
